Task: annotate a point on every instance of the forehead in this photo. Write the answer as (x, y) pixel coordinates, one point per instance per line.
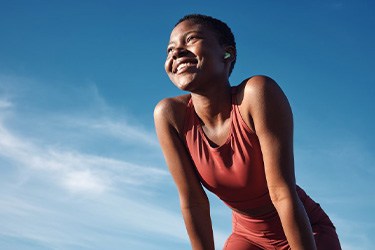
(188, 26)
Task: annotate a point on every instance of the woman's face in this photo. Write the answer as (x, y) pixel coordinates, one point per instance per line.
(194, 56)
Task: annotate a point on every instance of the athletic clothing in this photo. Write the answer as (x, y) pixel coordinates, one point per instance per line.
(266, 232)
(234, 171)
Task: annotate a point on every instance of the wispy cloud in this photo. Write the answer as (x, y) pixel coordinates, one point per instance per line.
(5, 104)
(59, 195)
(342, 166)
(119, 130)
(74, 170)
(352, 233)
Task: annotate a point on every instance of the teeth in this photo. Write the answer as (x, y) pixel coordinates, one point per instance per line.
(183, 65)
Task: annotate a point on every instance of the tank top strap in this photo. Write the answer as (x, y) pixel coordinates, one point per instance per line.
(235, 110)
(189, 116)
(234, 90)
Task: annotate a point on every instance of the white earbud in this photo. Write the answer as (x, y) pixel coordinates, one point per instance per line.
(226, 55)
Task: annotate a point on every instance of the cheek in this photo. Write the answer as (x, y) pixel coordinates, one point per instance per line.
(168, 68)
(168, 65)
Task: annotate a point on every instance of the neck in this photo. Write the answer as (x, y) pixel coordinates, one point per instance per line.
(213, 107)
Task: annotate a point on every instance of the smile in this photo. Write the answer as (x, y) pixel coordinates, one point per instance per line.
(183, 64)
(181, 67)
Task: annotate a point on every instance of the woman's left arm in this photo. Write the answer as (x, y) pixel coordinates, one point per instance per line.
(273, 122)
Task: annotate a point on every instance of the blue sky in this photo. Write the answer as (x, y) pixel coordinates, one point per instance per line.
(81, 166)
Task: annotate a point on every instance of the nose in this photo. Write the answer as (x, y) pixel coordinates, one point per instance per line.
(178, 52)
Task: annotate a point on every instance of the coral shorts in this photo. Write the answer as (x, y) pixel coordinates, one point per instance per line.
(266, 232)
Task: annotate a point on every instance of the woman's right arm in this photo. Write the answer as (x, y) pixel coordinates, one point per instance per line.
(193, 200)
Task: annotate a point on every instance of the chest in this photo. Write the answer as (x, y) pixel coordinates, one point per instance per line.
(237, 165)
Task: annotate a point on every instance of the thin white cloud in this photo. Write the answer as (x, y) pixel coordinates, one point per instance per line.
(95, 222)
(86, 110)
(118, 129)
(342, 167)
(57, 196)
(351, 233)
(75, 171)
(84, 181)
(4, 104)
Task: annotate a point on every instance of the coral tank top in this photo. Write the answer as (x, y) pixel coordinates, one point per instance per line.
(233, 171)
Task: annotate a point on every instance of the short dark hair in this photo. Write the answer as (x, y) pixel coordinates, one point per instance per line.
(222, 30)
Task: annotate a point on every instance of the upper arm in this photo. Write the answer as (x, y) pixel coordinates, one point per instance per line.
(167, 118)
(273, 122)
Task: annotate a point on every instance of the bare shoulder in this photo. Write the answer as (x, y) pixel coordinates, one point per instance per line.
(172, 111)
(260, 90)
(260, 97)
(260, 87)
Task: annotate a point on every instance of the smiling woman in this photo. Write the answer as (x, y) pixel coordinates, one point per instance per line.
(235, 141)
(192, 52)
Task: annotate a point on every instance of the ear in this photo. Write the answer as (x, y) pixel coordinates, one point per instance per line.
(230, 53)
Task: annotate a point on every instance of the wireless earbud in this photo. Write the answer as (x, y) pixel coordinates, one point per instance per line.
(226, 55)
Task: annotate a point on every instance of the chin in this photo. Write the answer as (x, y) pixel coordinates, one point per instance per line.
(183, 86)
(185, 82)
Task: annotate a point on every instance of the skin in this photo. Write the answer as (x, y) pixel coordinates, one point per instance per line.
(264, 108)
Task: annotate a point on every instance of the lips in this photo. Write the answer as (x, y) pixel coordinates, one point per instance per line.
(182, 64)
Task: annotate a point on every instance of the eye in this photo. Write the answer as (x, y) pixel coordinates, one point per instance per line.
(191, 38)
(169, 50)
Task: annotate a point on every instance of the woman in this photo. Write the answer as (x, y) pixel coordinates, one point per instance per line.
(237, 142)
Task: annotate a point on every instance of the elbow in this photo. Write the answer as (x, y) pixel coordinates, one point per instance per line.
(282, 197)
